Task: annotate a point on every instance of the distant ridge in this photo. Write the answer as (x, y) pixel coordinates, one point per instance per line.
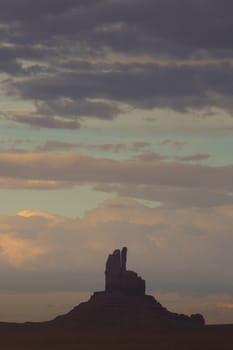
(124, 304)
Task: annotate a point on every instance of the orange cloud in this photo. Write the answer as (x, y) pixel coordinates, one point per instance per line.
(11, 183)
(225, 306)
(27, 213)
(17, 251)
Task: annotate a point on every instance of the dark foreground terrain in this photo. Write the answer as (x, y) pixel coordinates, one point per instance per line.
(43, 337)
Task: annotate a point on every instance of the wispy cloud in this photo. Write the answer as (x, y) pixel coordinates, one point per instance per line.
(194, 157)
(225, 306)
(106, 147)
(151, 156)
(78, 168)
(174, 143)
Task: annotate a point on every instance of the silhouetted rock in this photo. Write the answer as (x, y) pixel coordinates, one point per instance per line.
(198, 319)
(124, 304)
(123, 258)
(118, 279)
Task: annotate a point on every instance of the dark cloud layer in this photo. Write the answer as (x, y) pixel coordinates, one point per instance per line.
(145, 85)
(55, 48)
(175, 21)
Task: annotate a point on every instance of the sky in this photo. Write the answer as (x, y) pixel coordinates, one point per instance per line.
(116, 126)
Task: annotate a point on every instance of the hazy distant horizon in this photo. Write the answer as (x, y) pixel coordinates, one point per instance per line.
(44, 306)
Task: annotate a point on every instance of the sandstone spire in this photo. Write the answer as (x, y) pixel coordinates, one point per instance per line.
(118, 279)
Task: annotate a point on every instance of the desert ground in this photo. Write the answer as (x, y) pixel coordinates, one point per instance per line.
(43, 337)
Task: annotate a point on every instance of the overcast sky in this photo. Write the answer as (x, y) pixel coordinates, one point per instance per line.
(116, 126)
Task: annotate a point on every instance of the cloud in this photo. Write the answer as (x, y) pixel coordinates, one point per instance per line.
(50, 146)
(141, 86)
(139, 145)
(17, 251)
(158, 21)
(82, 169)
(66, 99)
(52, 122)
(14, 183)
(194, 157)
(168, 247)
(174, 143)
(53, 145)
(52, 219)
(225, 306)
(151, 157)
(146, 177)
(67, 107)
(171, 197)
(66, 113)
(60, 57)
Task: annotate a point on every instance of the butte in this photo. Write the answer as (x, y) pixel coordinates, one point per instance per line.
(125, 305)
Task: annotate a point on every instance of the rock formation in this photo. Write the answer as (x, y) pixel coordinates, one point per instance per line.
(124, 304)
(118, 279)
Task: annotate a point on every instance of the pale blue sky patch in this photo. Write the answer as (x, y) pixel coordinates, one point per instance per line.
(71, 202)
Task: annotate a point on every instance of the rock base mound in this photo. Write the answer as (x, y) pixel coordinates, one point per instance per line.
(127, 312)
(124, 304)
